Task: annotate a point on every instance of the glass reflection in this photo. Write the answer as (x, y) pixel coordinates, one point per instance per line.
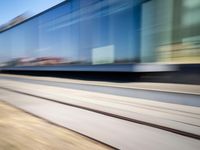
(106, 31)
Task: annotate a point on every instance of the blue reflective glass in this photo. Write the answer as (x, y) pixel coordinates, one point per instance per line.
(81, 32)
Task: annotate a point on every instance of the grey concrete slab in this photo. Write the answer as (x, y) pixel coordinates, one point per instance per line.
(180, 117)
(119, 133)
(167, 97)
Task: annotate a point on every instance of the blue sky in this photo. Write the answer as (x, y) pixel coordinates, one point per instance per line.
(9, 9)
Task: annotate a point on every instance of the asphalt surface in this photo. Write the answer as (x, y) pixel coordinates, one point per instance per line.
(167, 97)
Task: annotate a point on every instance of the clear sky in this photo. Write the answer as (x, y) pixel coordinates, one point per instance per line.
(9, 9)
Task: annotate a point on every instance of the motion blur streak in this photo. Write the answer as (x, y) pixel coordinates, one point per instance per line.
(99, 47)
(92, 32)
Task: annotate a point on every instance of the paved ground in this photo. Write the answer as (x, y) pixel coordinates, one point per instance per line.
(35, 96)
(169, 93)
(166, 87)
(180, 117)
(21, 131)
(121, 134)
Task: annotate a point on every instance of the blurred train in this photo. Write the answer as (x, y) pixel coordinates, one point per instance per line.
(105, 35)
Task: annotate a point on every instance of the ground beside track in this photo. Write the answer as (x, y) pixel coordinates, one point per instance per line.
(21, 131)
